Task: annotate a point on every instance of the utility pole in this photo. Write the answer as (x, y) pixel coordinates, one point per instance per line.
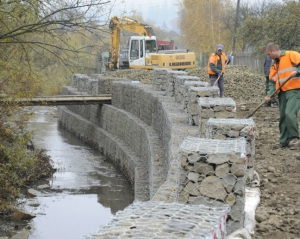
(235, 25)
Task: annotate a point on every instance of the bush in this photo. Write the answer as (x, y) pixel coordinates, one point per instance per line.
(19, 165)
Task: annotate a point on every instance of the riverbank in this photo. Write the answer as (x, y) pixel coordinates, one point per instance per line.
(85, 189)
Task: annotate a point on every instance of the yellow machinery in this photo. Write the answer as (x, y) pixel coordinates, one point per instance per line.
(143, 52)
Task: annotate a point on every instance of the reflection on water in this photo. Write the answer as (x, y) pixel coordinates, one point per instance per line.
(69, 216)
(85, 191)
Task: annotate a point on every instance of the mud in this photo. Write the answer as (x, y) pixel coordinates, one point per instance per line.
(278, 214)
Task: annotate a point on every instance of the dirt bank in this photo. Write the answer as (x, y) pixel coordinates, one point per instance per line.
(278, 214)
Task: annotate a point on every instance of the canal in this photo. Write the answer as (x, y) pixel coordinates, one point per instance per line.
(85, 191)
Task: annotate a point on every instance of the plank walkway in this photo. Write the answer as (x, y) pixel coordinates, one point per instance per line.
(61, 100)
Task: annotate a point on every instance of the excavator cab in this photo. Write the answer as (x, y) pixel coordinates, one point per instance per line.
(141, 48)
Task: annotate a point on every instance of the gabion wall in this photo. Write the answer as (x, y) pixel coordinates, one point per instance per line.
(104, 83)
(159, 81)
(94, 84)
(214, 108)
(163, 80)
(204, 174)
(171, 81)
(80, 82)
(184, 89)
(214, 173)
(194, 93)
(179, 81)
(167, 220)
(235, 128)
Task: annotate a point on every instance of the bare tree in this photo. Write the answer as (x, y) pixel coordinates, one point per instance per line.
(39, 38)
(24, 22)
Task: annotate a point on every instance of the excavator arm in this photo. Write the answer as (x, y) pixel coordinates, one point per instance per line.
(116, 25)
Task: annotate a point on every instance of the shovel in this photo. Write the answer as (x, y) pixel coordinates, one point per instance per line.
(270, 96)
(217, 80)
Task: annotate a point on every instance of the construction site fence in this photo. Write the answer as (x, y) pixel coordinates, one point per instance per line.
(243, 59)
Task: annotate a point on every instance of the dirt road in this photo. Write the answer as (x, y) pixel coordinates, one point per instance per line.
(278, 214)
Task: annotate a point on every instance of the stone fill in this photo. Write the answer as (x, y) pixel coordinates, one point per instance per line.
(172, 78)
(214, 173)
(221, 128)
(166, 220)
(194, 93)
(184, 89)
(180, 81)
(163, 80)
(209, 107)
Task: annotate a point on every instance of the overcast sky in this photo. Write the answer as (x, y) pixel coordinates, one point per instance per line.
(157, 11)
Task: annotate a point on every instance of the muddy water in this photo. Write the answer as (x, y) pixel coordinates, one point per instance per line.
(85, 192)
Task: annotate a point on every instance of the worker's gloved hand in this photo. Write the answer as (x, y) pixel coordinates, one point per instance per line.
(267, 99)
(220, 74)
(229, 59)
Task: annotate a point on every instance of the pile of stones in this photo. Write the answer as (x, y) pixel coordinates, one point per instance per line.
(241, 83)
(144, 76)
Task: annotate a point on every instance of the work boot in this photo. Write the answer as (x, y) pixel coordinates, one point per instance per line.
(294, 143)
(267, 104)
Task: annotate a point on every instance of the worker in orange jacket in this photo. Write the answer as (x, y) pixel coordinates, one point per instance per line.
(286, 64)
(216, 68)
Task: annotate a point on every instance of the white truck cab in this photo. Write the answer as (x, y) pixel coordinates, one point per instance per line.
(141, 47)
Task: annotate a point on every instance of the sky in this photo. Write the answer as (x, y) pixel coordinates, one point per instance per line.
(154, 12)
(162, 13)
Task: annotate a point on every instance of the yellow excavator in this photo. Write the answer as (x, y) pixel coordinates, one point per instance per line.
(143, 50)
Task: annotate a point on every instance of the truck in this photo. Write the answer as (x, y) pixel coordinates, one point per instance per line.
(143, 52)
(165, 45)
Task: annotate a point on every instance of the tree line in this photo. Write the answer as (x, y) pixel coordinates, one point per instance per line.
(241, 26)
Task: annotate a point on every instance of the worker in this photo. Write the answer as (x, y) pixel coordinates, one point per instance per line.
(267, 66)
(216, 68)
(286, 65)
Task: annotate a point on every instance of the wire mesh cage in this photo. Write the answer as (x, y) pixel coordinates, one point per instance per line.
(214, 108)
(213, 172)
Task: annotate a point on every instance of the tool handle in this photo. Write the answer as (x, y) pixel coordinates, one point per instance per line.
(270, 96)
(217, 80)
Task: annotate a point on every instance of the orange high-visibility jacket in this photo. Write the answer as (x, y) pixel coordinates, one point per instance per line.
(214, 59)
(279, 73)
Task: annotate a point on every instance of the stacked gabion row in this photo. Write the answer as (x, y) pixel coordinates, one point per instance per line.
(180, 81)
(217, 128)
(104, 83)
(163, 80)
(194, 93)
(159, 82)
(214, 173)
(183, 96)
(80, 82)
(214, 108)
(172, 78)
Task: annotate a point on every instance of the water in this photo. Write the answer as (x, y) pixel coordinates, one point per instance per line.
(85, 192)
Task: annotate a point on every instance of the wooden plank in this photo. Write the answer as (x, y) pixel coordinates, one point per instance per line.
(62, 100)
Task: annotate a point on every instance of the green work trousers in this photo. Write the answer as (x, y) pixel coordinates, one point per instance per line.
(289, 105)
